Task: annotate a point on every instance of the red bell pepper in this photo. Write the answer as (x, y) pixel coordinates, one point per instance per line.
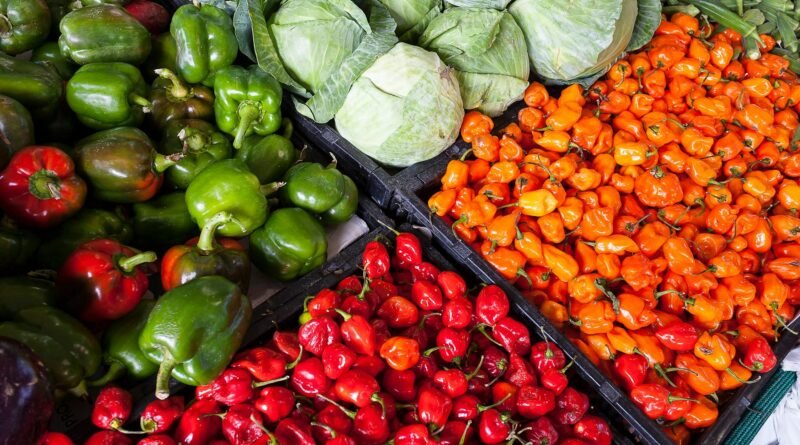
(103, 280)
(39, 187)
(152, 15)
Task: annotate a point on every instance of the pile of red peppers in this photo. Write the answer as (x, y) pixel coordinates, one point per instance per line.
(404, 354)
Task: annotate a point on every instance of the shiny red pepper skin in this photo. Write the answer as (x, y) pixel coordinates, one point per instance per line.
(157, 439)
(293, 430)
(466, 407)
(546, 356)
(452, 285)
(324, 303)
(53, 438)
(263, 363)
(275, 403)
(424, 271)
(371, 364)
(318, 333)
(232, 387)
(758, 356)
(491, 305)
(308, 377)
(452, 344)
(39, 187)
(357, 387)
(678, 336)
(108, 437)
(534, 402)
(457, 313)
(337, 359)
(554, 380)
(427, 295)
(677, 408)
(593, 430)
(495, 360)
(408, 250)
(199, 425)
(414, 434)
(358, 334)
(455, 432)
(651, 398)
(350, 285)
(159, 415)
(112, 408)
(631, 370)
(520, 371)
(541, 431)
(241, 425)
(370, 425)
(399, 312)
(513, 335)
(103, 280)
(493, 427)
(334, 418)
(287, 343)
(400, 384)
(375, 260)
(433, 407)
(451, 381)
(571, 406)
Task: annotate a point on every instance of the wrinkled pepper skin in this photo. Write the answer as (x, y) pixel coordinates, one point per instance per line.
(35, 86)
(162, 221)
(194, 330)
(172, 99)
(103, 34)
(27, 400)
(24, 24)
(204, 256)
(321, 190)
(39, 188)
(16, 128)
(205, 42)
(291, 244)
(17, 246)
(228, 186)
(50, 53)
(20, 292)
(108, 95)
(120, 164)
(69, 351)
(248, 101)
(121, 351)
(268, 157)
(86, 225)
(195, 145)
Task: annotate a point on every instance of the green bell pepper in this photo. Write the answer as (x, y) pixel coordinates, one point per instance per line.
(58, 9)
(194, 145)
(24, 291)
(24, 24)
(205, 41)
(291, 244)
(17, 245)
(103, 33)
(228, 186)
(121, 347)
(78, 4)
(49, 52)
(268, 157)
(163, 221)
(172, 99)
(163, 55)
(86, 225)
(16, 128)
(36, 86)
(67, 348)
(321, 190)
(194, 330)
(108, 95)
(248, 101)
(121, 164)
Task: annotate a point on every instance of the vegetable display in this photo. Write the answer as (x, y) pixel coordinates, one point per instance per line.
(650, 216)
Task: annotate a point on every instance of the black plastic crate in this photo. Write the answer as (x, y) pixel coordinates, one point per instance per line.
(411, 204)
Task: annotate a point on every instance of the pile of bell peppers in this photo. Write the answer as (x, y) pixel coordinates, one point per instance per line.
(134, 157)
(404, 353)
(652, 216)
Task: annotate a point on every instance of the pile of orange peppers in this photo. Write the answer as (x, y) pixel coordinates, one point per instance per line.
(652, 216)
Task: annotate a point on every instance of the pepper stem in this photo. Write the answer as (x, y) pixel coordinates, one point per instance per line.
(5, 25)
(162, 378)
(115, 371)
(128, 264)
(344, 314)
(177, 90)
(390, 228)
(296, 361)
(248, 114)
(346, 411)
(141, 101)
(271, 188)
(193, 139)
(45, 184)
(739, 379)
(334, 162)
(206, 240)
(270, 382)
(482, 408)
(162, 162)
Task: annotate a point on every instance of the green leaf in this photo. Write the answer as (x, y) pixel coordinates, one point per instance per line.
(647, 20)
(228, 6)
(243, 27)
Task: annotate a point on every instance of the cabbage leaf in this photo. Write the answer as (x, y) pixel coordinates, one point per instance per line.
(493, 4)
(648, 20)
(412, 16)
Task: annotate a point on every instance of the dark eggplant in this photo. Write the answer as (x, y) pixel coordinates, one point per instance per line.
(26, 401)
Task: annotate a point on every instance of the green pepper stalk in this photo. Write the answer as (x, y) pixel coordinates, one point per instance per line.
(248, 101)
(207, 235)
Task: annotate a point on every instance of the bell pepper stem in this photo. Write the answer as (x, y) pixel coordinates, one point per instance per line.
(334, 162)
(178, 88)
(164, 373)
(477, 369)
(206, 240)
(162, 162)
(44, 184)
(5, 25)
(248, 114)
(272, 187)
(193, 139)
(463, 439)
(79, 390)
(115, 371)
(141, 101)
(128, 264)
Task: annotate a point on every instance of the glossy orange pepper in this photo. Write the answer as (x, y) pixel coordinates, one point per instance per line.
(601, 346)
(562, 264)
(657, 188)
(596, 317)
(597, 222)
(509, 263)
(456, 176)
(475, 124)
(531, 247)
(441, 202)
(555, 312)
(633, 314)
(701, 377)
(702, 414)
(714, 350)
(565, 116)
(734, 377)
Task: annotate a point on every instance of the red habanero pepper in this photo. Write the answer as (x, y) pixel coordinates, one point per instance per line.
(534, 402)
(357, 387)
(427, 295)
(408, 250)
(241, 425)
(541, 431)
(400, 384)
(52, 438)
(275, 403)
(491, 305)
(375, 260)
(112, 408)
(262, 363)
(631, 369)
(39, 187)
(494, 426)
(108, 438)
(451, 284)
(102, 280)
(337, 359)
(513, 335)
(571, 406)
(199, 425)
(433, 406)
(546, 356)
(414, 434)
(678, 336)
(398, 312)
(555, 379)
(452, 382)
(759, 356)
(594, 430)
(318, 333)
(157, 439)
(452, 344)
(308, 377)
(357, 333)
(159, 415)
(457, 313)
(232, 387)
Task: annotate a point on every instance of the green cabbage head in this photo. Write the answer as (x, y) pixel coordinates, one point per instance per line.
(572, 40)
(487, 49)
(406, 108)
(412, 16)
(494, 4)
